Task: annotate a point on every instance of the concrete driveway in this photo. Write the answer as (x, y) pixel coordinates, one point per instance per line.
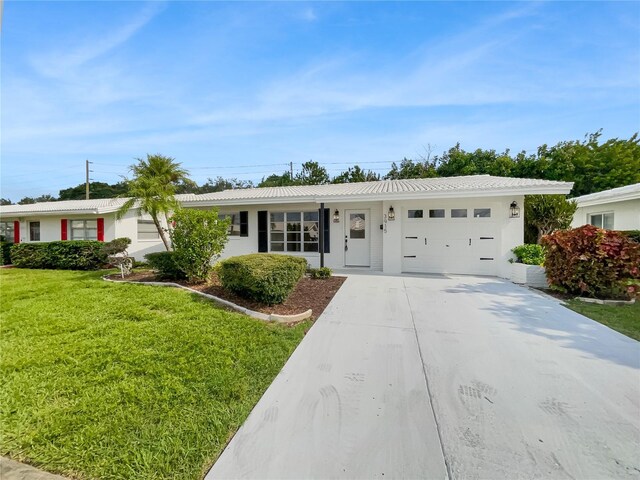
(446, 377)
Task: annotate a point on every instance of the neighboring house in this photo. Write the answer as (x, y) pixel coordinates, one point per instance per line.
(615, 209)
(464, 225)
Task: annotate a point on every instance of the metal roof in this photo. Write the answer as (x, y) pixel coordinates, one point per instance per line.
(620, 194)
(444, 187)
(467, 186)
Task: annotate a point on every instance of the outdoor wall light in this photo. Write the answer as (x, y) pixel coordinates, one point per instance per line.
(391, 216)
(515, 210)
(336, 216)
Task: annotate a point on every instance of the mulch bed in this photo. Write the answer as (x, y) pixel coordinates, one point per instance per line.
(314, 294)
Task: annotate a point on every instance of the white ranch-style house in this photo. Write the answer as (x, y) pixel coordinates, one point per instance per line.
(463, 225)
(615, 209)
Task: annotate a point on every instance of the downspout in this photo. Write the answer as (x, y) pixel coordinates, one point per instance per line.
(321, 234)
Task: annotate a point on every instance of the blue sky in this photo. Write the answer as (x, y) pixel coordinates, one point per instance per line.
(241, 89)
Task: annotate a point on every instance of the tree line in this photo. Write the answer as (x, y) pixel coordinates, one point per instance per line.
(592, 164)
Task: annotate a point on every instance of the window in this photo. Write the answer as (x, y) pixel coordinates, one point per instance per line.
(437, 213)
(294, 231)
(234, 227)
(458, 213)
(84, 229)
(481, 212)
(357, 225)
(602, 220)
(6, 231)
(34, 231)
(147, 230)
(415, 214)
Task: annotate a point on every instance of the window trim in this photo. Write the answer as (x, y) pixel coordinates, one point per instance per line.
(11, 225)
(223, 215)
(31, 231)
(443, 210)
(302, 241)
(147, 222)
(84, 220)
(476, 217)
(466, 213)
(602, 214)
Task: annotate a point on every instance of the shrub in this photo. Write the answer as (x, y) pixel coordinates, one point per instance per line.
(164, 263)
(267, 278)
(117, 255)
(61, 255)
(632, 234)
(5, 251)
(529, 254)
(591, 261)
(322, 272)
(198, 238)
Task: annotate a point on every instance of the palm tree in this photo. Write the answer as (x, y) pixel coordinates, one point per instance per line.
(152, 189)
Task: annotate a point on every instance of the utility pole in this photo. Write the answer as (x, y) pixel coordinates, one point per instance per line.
(291, 169)
(86, 165)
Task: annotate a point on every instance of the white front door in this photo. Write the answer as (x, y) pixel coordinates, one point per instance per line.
(356, 238)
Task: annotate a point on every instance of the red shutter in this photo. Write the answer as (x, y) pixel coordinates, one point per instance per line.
(16, 231)
(63, 229)
(101, 229)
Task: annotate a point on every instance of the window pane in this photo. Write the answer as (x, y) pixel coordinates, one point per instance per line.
(293, 247)
(608, 221)
(436, 213)
(234, 226)
(34, 231)
(311, 247)
(310, 216)
(277, 237)
(147, 230)
(277, 217)
(293, 237)
(415, 214)
(293, 226)
(277, 247)
(92, 223)
(6, 230)
(458, 213)
(596, 220)
(293, 216)
(357, 225)
(481, 212)
(77, 223)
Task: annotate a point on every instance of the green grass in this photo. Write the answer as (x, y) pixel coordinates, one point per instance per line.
(114, 381)
(625, 319)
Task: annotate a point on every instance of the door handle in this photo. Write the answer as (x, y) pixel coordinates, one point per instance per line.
(425, 240)
(469, 242)
(346, 240)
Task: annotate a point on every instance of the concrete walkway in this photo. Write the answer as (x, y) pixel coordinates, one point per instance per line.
(12, 470)
(435, 377)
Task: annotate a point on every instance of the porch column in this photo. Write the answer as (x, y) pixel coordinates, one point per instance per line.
(321, 234)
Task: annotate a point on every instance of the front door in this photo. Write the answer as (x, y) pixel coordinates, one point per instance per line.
(356, 238)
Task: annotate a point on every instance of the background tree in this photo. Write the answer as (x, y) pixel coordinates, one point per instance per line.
(5, 201)
(153, 188)
(356, 174)
(548, 213)
(96, 190)
(220, 184)
(275, 180)
(312, 174)
(412, 169)
(41, 198)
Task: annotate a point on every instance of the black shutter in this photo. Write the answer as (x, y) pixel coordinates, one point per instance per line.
(327, 225)
(244, 224)
(263, 231)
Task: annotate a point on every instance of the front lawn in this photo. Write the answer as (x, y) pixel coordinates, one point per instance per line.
(104, 380)
(625, 319)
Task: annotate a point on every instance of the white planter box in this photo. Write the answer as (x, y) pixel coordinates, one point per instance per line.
(530, 275)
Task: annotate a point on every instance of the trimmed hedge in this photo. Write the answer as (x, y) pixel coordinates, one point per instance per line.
(529, 254)
(60, 255)
(5, 252)
(267, 278)
(164, 264)
(593, 262)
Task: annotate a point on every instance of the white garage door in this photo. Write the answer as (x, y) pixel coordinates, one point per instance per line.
(449, 240)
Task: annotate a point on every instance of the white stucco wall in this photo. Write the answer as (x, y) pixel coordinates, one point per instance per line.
(626, 215)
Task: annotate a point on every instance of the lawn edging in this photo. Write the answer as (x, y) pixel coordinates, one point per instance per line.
(252, 313)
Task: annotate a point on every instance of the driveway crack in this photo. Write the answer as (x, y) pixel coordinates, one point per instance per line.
(426, 381)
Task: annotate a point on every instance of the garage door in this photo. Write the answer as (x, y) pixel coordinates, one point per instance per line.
(453, 240)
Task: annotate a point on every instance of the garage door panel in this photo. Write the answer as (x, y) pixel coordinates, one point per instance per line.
(450, 245)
